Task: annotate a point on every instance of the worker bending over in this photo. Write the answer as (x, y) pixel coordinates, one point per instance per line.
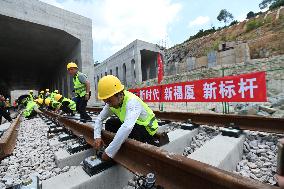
(67, 105)
(134, 117)
(41, 95)
(51, 104)
(32, 108)
(53, 94)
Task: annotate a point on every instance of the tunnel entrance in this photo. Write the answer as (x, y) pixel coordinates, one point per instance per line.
(34, 56)
(148, 64)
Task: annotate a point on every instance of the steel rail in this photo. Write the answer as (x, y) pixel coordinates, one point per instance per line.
(255, 123)
(8, 140)
(172, 171)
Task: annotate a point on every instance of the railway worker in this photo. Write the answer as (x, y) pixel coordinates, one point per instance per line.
(53, 94)
(51, 104)
(31, 95)
(134, 117)
(82, 90)
(15, 105)
(47, 93)
(8, 104)
(67, 105)
(3, 111)
(41, 95)
(32, 108)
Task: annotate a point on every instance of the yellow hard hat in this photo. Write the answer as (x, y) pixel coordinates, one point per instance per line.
(71, 65)
(31, 91)
(41, 92)
(108, 86)
(57, 97)
(47, 90)
(47, 101)
(40, 100)
(56, 91)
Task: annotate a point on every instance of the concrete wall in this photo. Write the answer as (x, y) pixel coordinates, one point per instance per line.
(17, 93)
(78, 26)
(226, 57)
(191, 61)
(130, 56)
(212, 59)
(234, 53)
(201, 62)
(237, 53)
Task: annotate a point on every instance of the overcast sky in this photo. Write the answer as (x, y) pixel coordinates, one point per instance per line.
(116, 23)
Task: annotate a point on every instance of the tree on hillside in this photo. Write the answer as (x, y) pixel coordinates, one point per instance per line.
(250, 15)
(265, 3)
(233, 23)
(273, 4)
(225, 16)
(276, 4)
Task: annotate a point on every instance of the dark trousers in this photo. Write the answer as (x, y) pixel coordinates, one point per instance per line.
(67, 110)
(5, 114)
(138, 132)
(81, 104)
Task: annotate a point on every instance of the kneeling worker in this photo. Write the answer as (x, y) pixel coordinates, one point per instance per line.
(67, 105)
(51, 104)
(134, 117)
(32, 108)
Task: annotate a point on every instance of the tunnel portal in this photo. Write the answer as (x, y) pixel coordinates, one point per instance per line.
(33, 56)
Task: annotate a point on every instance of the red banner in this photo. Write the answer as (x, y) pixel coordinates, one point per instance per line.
(241, 88)
(148, 94)
(160, 68)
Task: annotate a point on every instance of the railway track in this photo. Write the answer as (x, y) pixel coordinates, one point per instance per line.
(172, 170)
(8, 139)
(255, 123)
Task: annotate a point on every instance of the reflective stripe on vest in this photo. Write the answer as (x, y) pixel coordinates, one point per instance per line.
(150, 122)
(71, 105)
(80, 88)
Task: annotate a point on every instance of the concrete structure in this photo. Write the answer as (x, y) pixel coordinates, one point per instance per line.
(228, 53)
(114, 177)
(37, 41)
(15, 94)
(64, 158)
(78, 178)
(179, 139)
(222, 152)
(133, 64)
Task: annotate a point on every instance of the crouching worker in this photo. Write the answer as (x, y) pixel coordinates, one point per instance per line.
(51, 104)
(67, 105)
(32, 108)
(134, 117)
